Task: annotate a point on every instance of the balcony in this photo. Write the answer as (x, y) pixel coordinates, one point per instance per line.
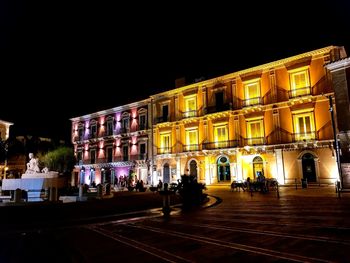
(220, 145)
(135, 157)
(304, 136)
(124, 130)
(295, 93)
(189, 114)
(255, 141)
(162, 119)
(164, 150)
(191, 147)
(252, 102)
(218, 108)
(143, 126)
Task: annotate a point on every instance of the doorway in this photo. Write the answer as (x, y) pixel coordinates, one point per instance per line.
(224, 173)
(308, 164)
(258, 166)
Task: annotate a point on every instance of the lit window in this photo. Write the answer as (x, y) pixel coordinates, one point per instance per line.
(165, 143)
(300, 82)
(221, 136)
(252, 92)
(304, 126)
(192, 140)
(190, 106)
(255, 132)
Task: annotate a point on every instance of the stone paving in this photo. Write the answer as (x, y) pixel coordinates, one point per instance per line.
(303, 225)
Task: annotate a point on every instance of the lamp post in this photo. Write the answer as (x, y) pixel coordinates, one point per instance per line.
(337, 152)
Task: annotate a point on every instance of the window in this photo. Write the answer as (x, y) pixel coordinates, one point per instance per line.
(142, 122)
(80, 133)
(79, 157)
(142, 151)
(300, 82)
(93, 132)
(125, 124)
(93, 156)
(252, 92)
(255, 132)
(125, 153)
(191, 140)
(221, 136)
(304, 126)
(109, 154)
(165, 112)
(110, 127)
(219, 100)
(165, 143)
(190, 106)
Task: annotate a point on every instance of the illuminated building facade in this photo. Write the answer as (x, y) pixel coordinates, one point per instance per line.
(273, 118)
(112, 143)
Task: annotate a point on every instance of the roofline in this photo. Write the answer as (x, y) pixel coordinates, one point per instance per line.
(111, 110)
(265, 66)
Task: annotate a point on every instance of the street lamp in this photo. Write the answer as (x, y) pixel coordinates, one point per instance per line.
(337, 152)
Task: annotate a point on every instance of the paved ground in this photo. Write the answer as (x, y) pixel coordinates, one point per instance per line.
(304, 225)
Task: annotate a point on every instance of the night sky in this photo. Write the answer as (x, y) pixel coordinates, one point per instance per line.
(52, 52)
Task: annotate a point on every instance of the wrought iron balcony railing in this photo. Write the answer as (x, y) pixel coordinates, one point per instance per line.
(189, 114)
(304, 136)
(294, 93)
(220, 145)
(255, 141)
(252, 102)
(164, 150)
(191, 147)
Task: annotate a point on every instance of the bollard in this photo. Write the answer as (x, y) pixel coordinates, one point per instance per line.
(296, 185)
(99, 191)
(166, 200)
(47, 193)
(108, 189)
(80, 191)
(338, 188)
(18, 195)
(53, 194)
(278, 190)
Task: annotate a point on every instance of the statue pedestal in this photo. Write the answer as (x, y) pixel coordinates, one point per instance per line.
(40, 175)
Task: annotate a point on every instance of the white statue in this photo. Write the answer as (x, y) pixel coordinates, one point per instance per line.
(32, 165)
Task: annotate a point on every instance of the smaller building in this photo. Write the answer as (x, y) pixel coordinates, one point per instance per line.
(4, 135)
(112, 146)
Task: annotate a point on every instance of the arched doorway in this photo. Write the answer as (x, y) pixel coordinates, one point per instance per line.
(166, 173)
(258, 166)
(308, 164)
(224, 173)
(193, 168)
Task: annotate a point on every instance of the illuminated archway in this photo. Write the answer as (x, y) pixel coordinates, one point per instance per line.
(258, 166)
(223, 169)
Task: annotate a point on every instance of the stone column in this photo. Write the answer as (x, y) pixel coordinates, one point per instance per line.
(280, 166)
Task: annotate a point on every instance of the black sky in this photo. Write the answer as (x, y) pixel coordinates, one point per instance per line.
(64, 59)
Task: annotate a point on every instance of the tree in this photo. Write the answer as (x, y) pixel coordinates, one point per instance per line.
(61, 160)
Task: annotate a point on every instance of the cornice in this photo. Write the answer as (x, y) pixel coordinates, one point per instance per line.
(267, 66)
(112, 110)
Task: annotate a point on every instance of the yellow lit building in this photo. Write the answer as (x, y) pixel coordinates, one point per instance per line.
(273, 118)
